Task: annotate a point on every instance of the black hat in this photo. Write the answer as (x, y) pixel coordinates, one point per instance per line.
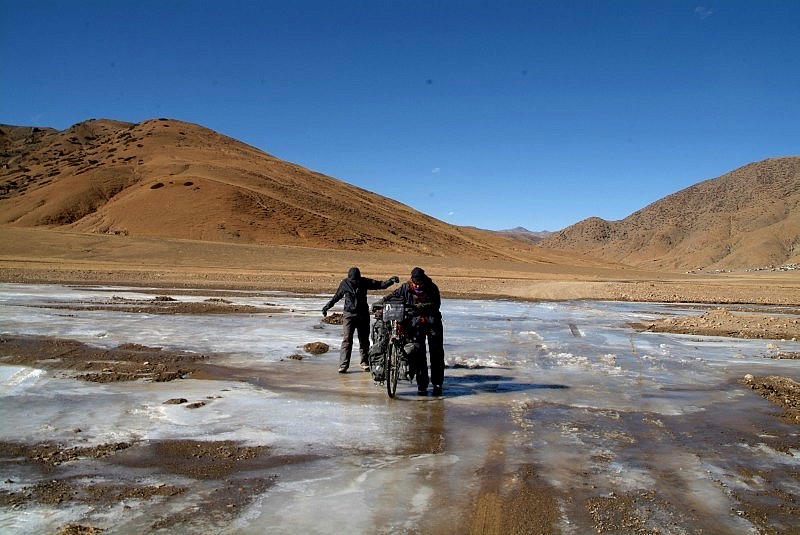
(418, 275)
(354, 273)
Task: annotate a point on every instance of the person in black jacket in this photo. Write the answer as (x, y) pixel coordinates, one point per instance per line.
(422, 296)
(356, 314)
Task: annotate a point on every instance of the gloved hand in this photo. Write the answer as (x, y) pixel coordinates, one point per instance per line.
(395, 279)
(324, 312)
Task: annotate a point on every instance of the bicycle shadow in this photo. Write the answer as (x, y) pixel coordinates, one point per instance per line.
(479, 383)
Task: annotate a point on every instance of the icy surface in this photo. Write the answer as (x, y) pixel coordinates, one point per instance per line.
(575, 388)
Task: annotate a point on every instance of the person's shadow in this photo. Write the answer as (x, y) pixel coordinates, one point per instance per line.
(476, 383)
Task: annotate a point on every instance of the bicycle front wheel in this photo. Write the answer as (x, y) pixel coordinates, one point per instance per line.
(392, 369)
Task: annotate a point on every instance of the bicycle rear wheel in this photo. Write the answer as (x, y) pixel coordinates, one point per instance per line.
(392, 369)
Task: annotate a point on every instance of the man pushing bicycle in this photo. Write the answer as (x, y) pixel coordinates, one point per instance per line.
(421, 295)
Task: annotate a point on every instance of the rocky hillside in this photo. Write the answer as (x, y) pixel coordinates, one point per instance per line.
(172, 179)
(748, 218)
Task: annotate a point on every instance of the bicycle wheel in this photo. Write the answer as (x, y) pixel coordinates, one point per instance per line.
(392, 369)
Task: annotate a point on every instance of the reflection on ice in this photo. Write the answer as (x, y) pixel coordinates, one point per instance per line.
(568, 388)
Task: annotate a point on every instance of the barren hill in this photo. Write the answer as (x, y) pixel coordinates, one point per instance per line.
(523, 234)
(748, 218)
(172, 179)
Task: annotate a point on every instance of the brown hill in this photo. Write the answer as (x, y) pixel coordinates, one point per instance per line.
(172, 204)
(748, 218)
(171, 179)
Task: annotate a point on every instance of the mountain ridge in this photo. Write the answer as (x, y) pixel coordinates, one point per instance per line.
(170, 178)
(523, 234)
(747, 218)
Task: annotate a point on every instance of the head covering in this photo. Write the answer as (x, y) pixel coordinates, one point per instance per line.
(354, 273)
(418, 275)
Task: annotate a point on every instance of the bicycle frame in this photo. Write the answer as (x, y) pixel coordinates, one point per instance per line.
(396, 358)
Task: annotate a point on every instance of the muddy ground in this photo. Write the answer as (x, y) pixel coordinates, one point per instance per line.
(216, 462)
(736, 323)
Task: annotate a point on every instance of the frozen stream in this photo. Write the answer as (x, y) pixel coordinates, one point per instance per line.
(564, 390)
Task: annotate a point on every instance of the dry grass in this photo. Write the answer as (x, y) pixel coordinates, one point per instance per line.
(37, 255)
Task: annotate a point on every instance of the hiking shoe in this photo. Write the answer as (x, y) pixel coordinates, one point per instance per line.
(437, 390)
(422, 392)
(342, 369)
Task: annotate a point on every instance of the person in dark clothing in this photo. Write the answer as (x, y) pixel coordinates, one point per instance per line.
(356, 314)
(422, 296)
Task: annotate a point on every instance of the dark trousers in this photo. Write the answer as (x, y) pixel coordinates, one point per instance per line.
(435, 346)
(351, 324)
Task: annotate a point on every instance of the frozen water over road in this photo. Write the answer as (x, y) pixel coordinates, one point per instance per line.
(557, 405)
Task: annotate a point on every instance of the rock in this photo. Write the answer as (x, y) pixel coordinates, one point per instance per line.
(316, 348)
(333, 319)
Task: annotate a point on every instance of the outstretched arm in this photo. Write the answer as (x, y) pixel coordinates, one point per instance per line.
(394, 279)
(329, 305)
(373, 284)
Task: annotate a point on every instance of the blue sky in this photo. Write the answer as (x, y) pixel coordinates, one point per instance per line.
(491, 114)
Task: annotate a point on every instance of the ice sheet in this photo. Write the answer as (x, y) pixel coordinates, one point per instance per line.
(575, 388)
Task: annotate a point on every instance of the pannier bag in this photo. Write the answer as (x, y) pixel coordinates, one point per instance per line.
(380, 343)
(393, 310)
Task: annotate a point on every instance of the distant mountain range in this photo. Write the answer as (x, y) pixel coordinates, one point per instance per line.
(524, 234)
(172, 179)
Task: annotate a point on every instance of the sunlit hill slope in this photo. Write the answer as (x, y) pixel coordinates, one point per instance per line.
(172, 179)
(748, 218)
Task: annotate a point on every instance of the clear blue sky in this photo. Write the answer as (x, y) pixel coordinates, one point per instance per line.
(493, 114)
